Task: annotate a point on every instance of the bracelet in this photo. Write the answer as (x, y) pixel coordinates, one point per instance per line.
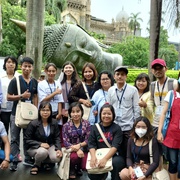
(80, 145)
(7, 160)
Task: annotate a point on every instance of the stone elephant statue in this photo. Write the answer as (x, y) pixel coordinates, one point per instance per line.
(68, 42)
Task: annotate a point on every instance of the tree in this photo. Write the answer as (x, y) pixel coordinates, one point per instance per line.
(134, 50)
(155, 24)
(35, 34)
(14, 40)
(55, 7)
(134, 22)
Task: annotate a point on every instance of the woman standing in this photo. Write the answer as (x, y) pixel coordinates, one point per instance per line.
(172, 140)
(78, 93)
(10, 66)
(75, 136)
(105, 81)
(68, 78)
(138, 151)
(142, 83)
(42, 138)
(113, 134)
(50, 90)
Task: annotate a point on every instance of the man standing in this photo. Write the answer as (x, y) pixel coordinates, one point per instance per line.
(159, 89)
(28, 89)
(124, 99)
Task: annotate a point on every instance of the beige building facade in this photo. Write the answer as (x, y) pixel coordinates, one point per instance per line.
(79, 12)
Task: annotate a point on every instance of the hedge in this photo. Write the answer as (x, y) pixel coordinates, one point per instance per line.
(133, 73)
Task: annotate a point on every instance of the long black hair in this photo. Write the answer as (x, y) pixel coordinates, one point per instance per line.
(74, 77)
(149, 134)
(42, 105)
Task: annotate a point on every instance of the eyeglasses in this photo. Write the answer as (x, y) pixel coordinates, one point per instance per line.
(45, 110)
(105, 79)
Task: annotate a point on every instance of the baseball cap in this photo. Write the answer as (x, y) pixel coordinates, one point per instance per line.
(121, 68)
(158, 62)
(43, 73)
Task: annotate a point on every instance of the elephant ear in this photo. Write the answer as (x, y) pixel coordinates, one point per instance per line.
(53, 37)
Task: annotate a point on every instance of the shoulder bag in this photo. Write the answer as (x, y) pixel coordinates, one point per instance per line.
(168, 116)
(63, 168)
(25, 112)
(85, 108)
(159, 175)
(100, 153)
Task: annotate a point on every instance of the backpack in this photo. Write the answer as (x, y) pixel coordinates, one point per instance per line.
(170, 86)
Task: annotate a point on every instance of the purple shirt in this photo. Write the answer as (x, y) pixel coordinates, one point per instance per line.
(73, 135)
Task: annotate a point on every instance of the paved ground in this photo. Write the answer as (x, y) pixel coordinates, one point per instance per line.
(23, 173)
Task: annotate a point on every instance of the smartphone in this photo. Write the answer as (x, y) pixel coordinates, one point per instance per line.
(92, 102)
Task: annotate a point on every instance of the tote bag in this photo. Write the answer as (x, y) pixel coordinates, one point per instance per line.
(63, 169)
(100, 153)
(25, 112)
(85, 108)
(159, 175)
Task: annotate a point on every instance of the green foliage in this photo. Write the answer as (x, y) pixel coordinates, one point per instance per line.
(134, 50)
(133, 73)
(97, 36)
(14, 39)
(166, 51)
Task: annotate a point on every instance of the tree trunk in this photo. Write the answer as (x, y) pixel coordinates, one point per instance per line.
(155, 24)
(35, 33)
(0, 23)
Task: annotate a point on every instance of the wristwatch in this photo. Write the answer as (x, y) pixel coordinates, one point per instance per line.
(21, 97)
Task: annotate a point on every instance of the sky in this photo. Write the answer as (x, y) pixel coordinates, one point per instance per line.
(108, 9)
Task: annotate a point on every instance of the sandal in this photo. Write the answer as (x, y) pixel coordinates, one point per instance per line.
(72, 175)
(47, 167)
(34, 170)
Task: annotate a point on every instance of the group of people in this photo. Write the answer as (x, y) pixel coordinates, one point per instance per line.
(129, 116)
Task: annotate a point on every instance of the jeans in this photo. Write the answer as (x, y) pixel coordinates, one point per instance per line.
(174, 161)
(15, 140)
(2, 155)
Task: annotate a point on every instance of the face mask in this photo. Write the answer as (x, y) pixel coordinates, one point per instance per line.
(140, 132)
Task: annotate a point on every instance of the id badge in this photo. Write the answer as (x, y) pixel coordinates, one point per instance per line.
(66, 106)
(28, 101)
(159, 110)
(119, 112)
(138, 172)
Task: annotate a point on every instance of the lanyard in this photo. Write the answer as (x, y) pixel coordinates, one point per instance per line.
(120, 100)
(139, 150)
(67, 91)
(104, 96)
(161, 93)
(78, 130)
(28, 86)
(51, 89)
